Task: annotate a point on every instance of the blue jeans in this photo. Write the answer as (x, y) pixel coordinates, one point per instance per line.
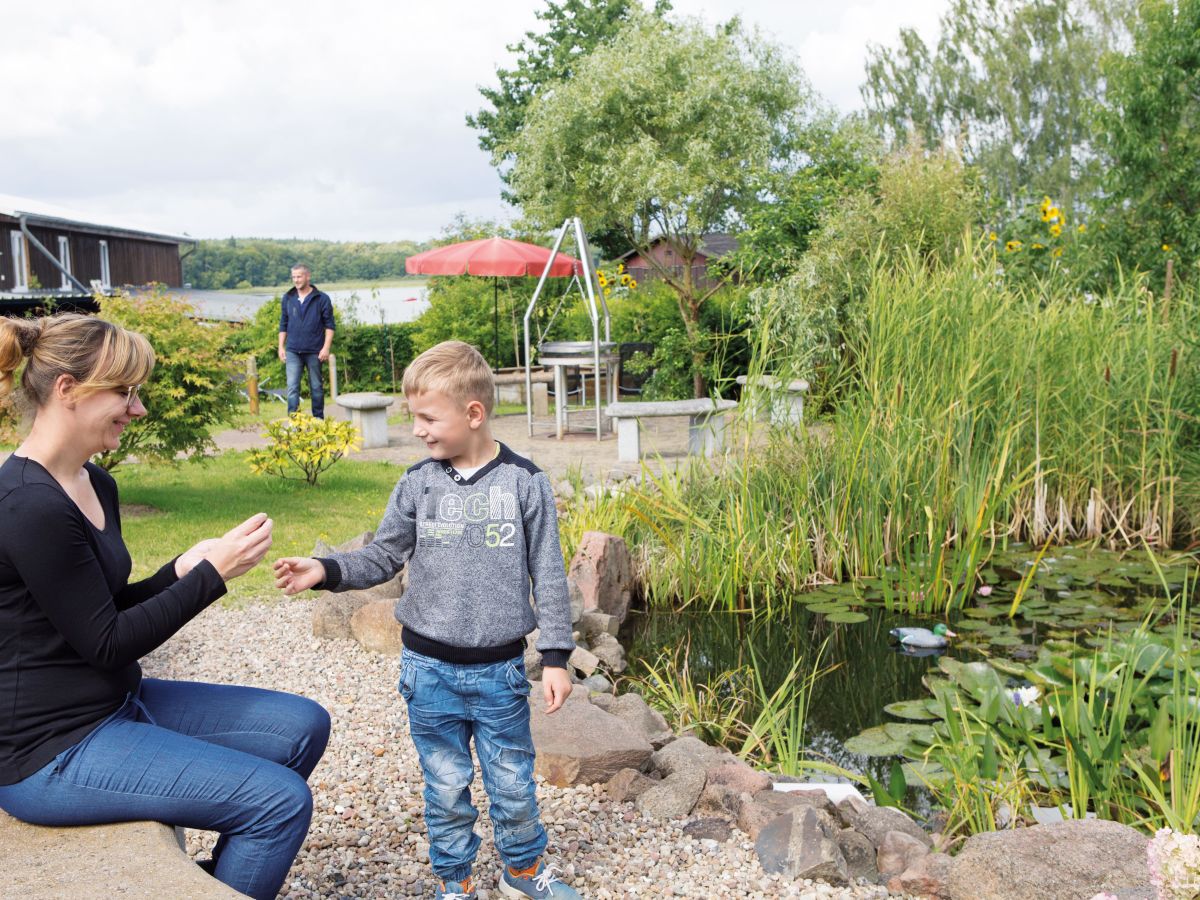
(295, 363)
(448, 704)
(214, 757)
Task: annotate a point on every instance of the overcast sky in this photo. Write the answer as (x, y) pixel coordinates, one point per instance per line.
(339, 121)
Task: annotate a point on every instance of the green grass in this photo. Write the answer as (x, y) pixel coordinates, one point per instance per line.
(205, 499)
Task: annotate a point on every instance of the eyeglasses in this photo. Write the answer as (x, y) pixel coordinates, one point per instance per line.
(131, 394)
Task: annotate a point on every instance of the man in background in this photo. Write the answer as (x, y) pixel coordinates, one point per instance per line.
(305, 338)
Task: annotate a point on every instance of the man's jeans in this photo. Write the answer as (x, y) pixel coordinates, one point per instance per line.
(208, 756)
(295, 363)
(448, 704)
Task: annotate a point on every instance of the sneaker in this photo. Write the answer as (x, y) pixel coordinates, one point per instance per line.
(456, 890)
(537, 882)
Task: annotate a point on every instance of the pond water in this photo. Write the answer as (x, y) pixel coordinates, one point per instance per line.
(1073, 595)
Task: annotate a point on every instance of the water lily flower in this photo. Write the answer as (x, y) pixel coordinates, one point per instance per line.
(1026, 696)
(985, 590)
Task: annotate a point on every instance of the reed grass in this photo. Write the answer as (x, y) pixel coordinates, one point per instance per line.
(971, 413)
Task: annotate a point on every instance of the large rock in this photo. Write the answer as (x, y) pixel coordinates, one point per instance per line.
(1073, 860)
(609, 651)
(675, 795)
(803, 844)
(593, 623)
(759, 810)
(876, 821)
(637, 713)
(688, 753)
(628, 784)
(375, 627)
(332, 612)
(927, 877)
(583, 661)
(898, 852)
(581, 743)
(603, 571)
(859, 854)
(132, 860)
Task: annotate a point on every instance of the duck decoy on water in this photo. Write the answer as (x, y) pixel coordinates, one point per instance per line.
(923, 637)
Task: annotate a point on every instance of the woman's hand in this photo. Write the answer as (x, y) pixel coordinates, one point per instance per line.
(242, 547)
(294, 574)
(189, 558)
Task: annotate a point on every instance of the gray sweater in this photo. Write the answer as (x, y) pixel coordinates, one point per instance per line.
(474, 547)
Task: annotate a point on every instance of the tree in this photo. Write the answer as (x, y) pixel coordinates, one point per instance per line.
(668, 132)
(574, 29)
(1011, 85)
(190, 389)
(1152, 125)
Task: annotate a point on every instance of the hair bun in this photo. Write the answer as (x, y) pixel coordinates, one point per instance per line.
(27, 336)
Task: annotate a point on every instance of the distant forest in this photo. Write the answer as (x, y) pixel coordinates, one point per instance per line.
(255, 262)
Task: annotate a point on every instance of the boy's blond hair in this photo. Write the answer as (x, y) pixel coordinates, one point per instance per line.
(455, 369)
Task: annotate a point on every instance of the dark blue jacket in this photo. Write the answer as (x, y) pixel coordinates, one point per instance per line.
(305, 323)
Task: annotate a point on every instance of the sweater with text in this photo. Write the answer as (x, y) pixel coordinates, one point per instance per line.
(475, 547)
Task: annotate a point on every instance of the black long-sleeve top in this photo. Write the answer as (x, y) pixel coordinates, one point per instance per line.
(72, 628)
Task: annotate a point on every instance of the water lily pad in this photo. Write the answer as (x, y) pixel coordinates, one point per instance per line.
(911, 709)
(846, 617)
(876, 742)
(827, 607)
(1005, 640)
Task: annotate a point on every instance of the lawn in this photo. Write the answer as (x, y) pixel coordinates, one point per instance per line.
(204, 499)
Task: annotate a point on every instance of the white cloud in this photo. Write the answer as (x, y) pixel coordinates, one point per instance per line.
(343, 121)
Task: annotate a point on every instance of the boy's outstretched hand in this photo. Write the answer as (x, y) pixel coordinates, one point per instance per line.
(294, 574)
(556, 686)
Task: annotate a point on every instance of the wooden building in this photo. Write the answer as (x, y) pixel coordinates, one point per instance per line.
(712, 247)
(52, 256)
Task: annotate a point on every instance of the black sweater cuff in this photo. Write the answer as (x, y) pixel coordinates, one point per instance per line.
(555, 659)
(333, 574)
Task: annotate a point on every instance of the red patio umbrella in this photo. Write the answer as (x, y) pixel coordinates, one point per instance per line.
(491, 256)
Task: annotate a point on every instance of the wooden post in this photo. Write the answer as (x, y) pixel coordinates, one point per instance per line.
(252, 383)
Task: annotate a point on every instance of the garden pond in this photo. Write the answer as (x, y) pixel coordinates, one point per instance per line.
(874, 697)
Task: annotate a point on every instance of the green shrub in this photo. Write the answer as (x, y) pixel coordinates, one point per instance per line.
(303, 442)
(190, 390)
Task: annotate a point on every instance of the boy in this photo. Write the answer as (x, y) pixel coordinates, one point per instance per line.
(476, 524)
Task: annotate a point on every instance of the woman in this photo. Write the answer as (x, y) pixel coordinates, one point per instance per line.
(84, 738)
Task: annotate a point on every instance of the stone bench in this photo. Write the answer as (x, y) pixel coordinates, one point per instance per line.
(130, 860)
(706, 423)
(510, 388)
(368, 413)
(783, 403)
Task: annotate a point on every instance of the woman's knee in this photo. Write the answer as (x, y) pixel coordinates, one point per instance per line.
(287, 801)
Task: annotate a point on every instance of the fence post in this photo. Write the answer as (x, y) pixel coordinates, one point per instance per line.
(252, 383)
(333, 376)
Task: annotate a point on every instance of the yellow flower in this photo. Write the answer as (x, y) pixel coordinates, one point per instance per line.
(1057, 252)
(625, 279)
(1056, 229)
(991, 236)
(1082, 227)
(607, 292)
(1039, 246)
(602, 279)
(1010, 246)
(633, 284)
(620, 268)
(1045, 204)
(1166, 248)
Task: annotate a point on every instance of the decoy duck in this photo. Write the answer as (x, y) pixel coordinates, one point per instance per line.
(923, 637)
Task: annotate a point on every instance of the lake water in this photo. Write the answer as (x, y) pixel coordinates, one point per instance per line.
(388, 305)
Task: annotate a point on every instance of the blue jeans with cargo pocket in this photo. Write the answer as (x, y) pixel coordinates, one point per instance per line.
(215, 757)
(449, 704)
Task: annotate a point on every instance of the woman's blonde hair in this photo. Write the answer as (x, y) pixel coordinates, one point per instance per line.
(97, 354)
(455, 369)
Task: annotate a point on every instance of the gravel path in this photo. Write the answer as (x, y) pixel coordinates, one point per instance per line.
(367, 838)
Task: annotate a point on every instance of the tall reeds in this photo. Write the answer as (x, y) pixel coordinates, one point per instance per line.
(970, 413)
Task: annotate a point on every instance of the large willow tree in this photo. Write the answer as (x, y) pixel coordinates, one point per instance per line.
(668, 131)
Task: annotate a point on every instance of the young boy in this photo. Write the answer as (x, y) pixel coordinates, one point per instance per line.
(476, 524)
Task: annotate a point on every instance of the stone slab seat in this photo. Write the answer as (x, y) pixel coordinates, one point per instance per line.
(130, 860)
(783, 403)
(510, 388)
(368, 413)
(706, 423)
